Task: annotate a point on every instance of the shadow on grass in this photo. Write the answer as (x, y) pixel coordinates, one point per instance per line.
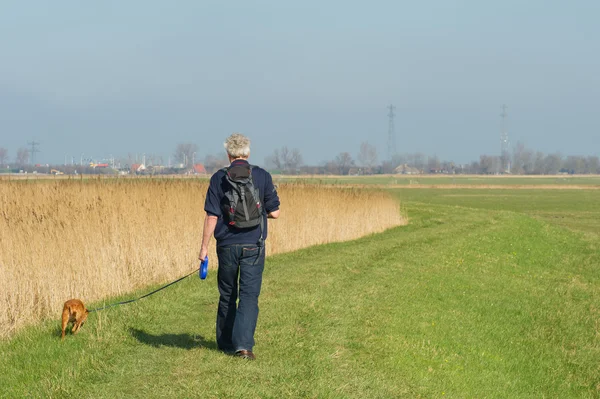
(57, 330)
(183, 341)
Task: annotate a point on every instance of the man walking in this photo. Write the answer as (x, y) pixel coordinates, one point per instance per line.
(239, 199)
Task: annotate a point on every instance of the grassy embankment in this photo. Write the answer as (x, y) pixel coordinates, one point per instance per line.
(486, 293)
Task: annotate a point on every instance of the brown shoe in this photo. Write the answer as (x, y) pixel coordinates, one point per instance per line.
(244, 354)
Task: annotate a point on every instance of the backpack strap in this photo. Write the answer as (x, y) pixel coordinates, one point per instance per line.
(261, 240)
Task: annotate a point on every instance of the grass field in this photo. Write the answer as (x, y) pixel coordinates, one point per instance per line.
(467, 181)
(485, 294)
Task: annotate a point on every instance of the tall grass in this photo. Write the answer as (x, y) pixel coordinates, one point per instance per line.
(93, 239)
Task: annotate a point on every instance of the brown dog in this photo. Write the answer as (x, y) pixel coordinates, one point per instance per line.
(74, 312)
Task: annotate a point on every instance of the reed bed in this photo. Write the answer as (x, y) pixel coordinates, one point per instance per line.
(99, 238)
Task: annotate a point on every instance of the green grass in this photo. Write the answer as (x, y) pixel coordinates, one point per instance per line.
(467, 180)
(575, 209)
(485, 294)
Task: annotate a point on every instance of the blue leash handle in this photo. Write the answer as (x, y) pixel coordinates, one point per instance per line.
(204, 268)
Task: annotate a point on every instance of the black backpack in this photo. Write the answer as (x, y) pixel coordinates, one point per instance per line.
(242, 207)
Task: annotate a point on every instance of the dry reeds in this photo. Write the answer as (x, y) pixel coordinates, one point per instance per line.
(320, 214)
(93, 239)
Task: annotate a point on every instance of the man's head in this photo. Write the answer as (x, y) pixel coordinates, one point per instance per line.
(237, 146)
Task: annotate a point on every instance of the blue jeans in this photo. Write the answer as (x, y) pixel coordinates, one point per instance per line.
(242, 266)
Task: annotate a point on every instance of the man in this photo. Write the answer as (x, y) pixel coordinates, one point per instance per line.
(240, 249)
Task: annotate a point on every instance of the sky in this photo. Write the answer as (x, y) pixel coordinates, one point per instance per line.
(133, 77)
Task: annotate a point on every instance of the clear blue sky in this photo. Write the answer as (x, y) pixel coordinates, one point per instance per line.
(118, 77)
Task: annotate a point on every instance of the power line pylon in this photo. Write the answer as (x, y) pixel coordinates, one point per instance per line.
(504, 143)
(391, 144)
(34, 149)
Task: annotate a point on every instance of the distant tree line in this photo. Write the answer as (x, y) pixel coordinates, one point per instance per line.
(21, 158)
(524, 161)
(521, 161)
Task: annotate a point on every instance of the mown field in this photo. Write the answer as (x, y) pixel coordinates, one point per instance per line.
(485, 294)
(467, 181)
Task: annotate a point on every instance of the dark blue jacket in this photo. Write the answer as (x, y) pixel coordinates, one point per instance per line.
(215, 197)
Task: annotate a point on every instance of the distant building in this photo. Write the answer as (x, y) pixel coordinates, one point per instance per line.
(199, 169)
(407, 170)
(138, 167)
(98, 165)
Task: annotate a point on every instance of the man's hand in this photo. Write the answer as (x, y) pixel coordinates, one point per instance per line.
(273, 215)
(203, 254)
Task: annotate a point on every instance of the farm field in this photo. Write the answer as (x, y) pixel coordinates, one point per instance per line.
(486, 293)
(467, 181)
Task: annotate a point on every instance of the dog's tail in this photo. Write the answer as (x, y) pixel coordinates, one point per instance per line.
(72, 311)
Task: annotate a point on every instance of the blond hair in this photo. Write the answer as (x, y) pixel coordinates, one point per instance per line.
(237, 146)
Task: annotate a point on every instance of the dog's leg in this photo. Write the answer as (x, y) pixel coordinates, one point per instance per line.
(65, 321)
(76, 325)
